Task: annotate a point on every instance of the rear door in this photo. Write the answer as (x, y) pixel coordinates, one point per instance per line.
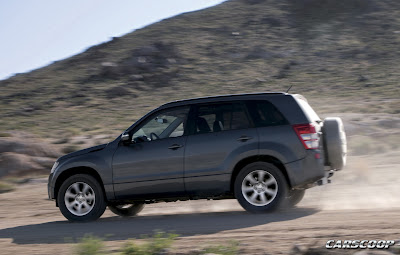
(220, 135)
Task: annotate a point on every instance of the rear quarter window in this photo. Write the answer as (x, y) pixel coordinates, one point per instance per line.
(264, 113)
(307, 109)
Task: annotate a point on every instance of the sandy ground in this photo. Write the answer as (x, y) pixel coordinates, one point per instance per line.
(361, 203)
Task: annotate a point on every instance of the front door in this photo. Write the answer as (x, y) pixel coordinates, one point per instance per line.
(152, 165)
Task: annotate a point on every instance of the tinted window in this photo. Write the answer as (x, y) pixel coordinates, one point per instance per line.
(164, 124)
(311, 114)
(220, 117)
(265, 114)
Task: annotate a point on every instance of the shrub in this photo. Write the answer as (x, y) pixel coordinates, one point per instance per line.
(230, 249)
(90, 245)
(5, 187)
(155, 245)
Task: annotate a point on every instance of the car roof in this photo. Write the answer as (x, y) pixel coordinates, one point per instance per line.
(222, 98)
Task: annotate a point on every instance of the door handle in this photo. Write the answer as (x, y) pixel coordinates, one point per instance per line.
(175, 146)
(244, 138)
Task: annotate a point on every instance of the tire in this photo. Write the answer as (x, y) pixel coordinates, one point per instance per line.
(126, 210)
(260, 197)
(335, 144)
(295, 197)
(81, 198)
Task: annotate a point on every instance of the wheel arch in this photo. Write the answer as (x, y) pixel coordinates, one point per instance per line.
(73, 171)
(258, 158)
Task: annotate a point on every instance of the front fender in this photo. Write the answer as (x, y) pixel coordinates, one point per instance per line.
(96, 163)
(99, 161)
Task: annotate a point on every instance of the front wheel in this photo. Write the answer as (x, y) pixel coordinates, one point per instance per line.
(260, 187)
(81, 198)
(126, 210)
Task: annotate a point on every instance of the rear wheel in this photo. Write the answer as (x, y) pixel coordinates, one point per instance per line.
(126, 210)
(295, 197)
(81, 198)
(260, 187)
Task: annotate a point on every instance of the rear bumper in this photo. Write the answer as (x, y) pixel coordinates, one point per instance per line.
(306, 171)
(324, 180)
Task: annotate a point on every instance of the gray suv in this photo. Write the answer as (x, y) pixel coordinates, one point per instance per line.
(263, 149)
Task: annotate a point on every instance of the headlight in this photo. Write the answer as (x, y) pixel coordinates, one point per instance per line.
(54, 166)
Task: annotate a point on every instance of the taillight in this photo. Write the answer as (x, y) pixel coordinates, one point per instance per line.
(308, 136)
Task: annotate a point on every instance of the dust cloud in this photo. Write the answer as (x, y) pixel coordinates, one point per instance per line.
(367, 182)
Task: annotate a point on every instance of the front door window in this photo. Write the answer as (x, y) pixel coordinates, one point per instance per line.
(164, 124)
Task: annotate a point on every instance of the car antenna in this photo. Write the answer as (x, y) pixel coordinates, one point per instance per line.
(289, 89)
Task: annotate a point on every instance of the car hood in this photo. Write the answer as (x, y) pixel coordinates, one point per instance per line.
(84, 151)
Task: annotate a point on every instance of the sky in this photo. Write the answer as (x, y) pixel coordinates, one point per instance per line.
(35, 33)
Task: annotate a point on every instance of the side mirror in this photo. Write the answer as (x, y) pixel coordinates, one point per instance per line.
(140, 139)
(125, 137)
(161, 120)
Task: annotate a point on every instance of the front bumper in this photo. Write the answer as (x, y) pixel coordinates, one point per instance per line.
(50, 187)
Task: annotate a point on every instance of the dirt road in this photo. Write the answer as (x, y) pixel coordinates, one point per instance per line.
(361, 203)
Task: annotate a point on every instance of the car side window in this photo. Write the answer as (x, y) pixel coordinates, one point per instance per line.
(163, 124)
(265, 114)
(220, 117)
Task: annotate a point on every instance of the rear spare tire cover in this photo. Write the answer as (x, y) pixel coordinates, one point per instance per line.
(335, 142)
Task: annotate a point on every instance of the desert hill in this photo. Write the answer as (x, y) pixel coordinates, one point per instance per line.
(341, 54)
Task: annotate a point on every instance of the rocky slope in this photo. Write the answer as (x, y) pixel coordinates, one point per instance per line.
(343, 55)
(22, 154)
